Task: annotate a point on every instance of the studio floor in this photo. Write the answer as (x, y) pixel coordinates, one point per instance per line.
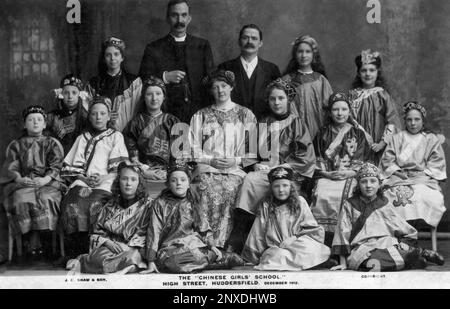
(47, 269)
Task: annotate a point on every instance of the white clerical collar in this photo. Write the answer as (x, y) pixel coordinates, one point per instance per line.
(181, 39)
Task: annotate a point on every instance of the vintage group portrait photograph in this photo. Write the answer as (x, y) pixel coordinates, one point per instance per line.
(224, 144)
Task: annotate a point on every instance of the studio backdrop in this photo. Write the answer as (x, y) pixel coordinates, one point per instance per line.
(40, 45)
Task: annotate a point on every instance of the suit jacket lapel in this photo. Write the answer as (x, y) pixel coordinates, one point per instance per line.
(241, 75)
(189, 62)
(259, 76)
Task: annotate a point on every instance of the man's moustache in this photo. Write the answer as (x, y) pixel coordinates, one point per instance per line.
(249, 45)
(180, 25)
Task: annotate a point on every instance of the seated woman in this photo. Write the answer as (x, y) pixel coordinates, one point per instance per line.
(285, 235)
(30, 176)
(340, 148)
(149, 134)
(119, 232)
(283, 139)
(371, 235)
(91, 167)
(173, 243)
(221, 150)
(116, 83)
(69, 119)
(413, 164)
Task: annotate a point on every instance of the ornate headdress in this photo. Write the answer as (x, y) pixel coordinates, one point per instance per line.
(222, 75)
(155, 81)
(72, 80)
(114, 42)
(368, 170)
(308, 40)
(336, 97)
(368, 57)
(414, 105)
(32, 110)
(281, 172)
(101, 100)
(179, 165)
(287, 87)
(128, 164)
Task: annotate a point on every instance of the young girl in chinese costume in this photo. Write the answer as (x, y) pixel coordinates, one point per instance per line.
(285, 235)
(371, 235)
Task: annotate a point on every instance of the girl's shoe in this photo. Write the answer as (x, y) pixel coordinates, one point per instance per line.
(37, 254)
(433, 257)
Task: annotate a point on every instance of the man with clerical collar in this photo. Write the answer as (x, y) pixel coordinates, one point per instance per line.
(252, 73)
(181, 60)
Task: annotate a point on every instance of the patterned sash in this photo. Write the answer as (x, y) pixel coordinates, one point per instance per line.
(125, 221)
(331, 151)
(92, 143)
(368, 137)
(361, 95)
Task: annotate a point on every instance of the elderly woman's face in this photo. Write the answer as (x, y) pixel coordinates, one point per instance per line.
(128, 182)
(414, 121)
(154, 98)
(221, 91)
(278, 101)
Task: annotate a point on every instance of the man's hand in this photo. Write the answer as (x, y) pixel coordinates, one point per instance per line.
(174, 76)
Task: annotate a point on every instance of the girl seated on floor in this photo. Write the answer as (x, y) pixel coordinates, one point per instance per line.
(119, 232)
(173, 244)
(31, 180)
(285, 235)
(371, 235)
(286, 136)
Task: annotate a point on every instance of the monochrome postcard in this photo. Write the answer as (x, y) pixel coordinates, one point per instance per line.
(224, 144)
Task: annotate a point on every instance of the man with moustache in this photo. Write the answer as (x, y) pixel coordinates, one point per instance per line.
(252, 73)
(181, 60)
